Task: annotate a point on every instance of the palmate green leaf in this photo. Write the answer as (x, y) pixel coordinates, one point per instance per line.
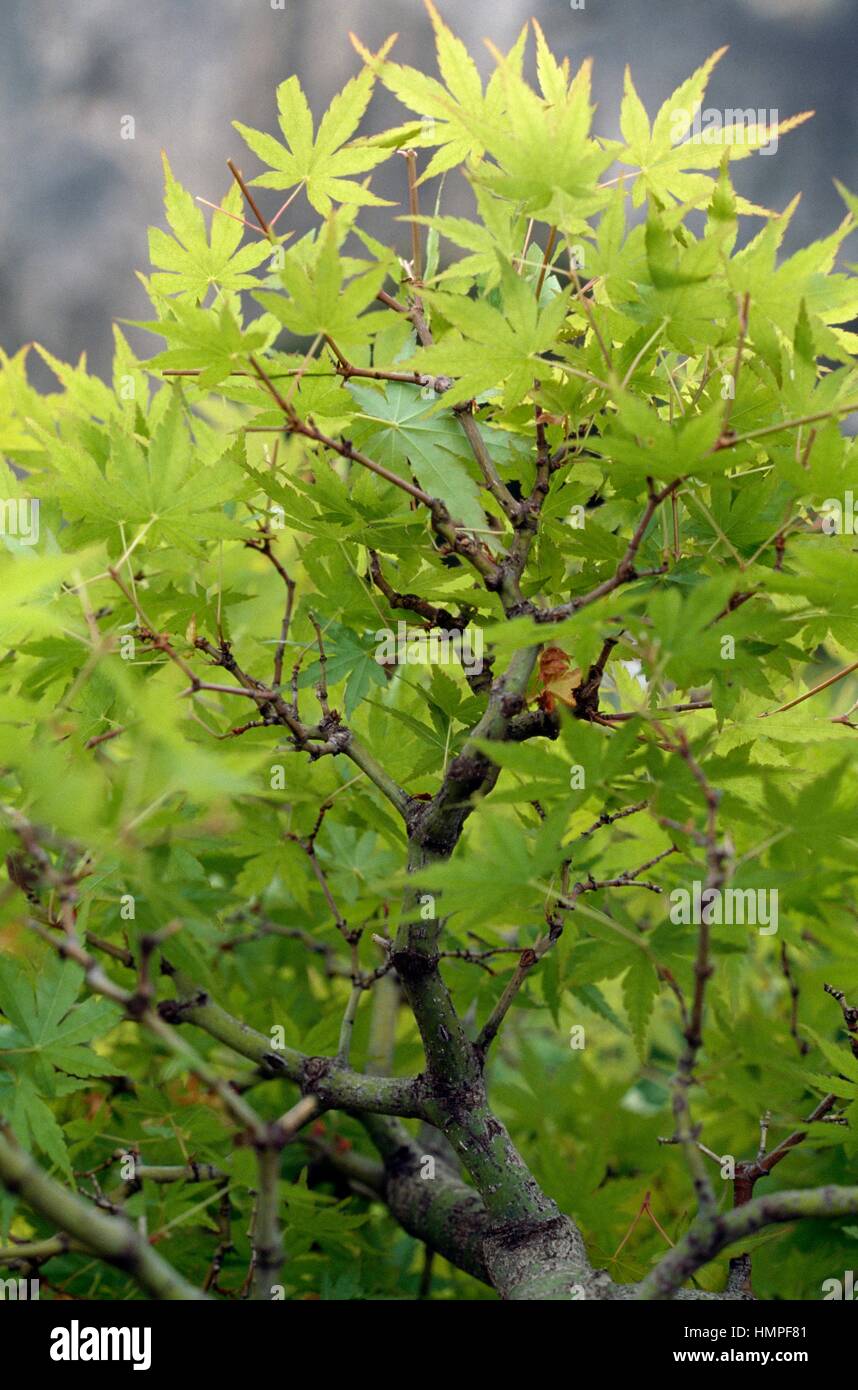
(640, 988)
(446, 109)
(592, 961)
(432, 751)
(32, 1120)
(804, 284)
(55, 991)
(18, 402)
(797, 727)
(52, 1031)
(536, 772)
(191, 263)
(501, 228)
(634, 121)
(348, 658)
(840, 1058)
(654, 447)
(327, 296)
(837, 1083)
(166, 488)
(683, 627)
(401, 430)
(28, 590)
(491, 348)
(592, 998)
(669, 157)
(85, 394)
(849, 198)
(16, 996)
(323, 165)
(208, 341)
(45, 1012)
(130, 379)
(553, 77)
(543, 156)
(826, 576)
(521, 866)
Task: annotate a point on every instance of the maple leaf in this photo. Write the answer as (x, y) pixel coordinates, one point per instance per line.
(542, 153)
(778, 291)
(668, 162)
(212, 336)
(558, 679)
(408, 436)
(321, 162)
(500, 227)
(515, 337)
(190, 263)
(448, 109)
(326, 296)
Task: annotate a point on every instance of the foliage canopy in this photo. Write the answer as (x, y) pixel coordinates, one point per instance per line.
(599, 451)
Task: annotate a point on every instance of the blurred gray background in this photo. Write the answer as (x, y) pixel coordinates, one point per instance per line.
(78, 198)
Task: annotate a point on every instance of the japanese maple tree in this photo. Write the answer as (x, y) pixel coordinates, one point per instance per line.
(425, 737)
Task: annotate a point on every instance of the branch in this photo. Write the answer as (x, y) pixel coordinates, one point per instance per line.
(537, 723)
(263, 546)
(251, 201)
(716, 857)
(540, 1257)
(707, 1229)
(625, 572)
(566, 903)
(442, 523)
(444, 1213)
(387, 785)
(320, 1077)
(137, 1008)
(111, 1238)
(329, 737)
(29, 1254)
(347, 369)
(433, 616)
(333, 1085)
(850, 1015)
(744, 304)
(731, 440)
(295, 425)
(609, 817)
(527, 960)
(703, 1242)
(435, 826)
(486, 464)
(795, 993)
(384, 1015)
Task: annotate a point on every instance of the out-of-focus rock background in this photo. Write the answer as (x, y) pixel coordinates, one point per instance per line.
(77, 198)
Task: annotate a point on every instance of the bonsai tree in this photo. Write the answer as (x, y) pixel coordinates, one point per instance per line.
(426, 740)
